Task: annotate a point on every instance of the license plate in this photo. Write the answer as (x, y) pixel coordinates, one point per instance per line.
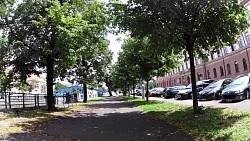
(229, 100)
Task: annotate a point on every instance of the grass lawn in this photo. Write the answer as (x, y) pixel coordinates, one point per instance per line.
(217, 124)
(31, 117)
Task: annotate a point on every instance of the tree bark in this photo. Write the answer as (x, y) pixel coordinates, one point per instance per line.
(147, 92)
(133, 91)
(128, 90)
(85, 95)
(193, 80)
(50, 76)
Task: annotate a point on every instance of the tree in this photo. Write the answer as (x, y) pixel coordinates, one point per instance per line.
(59, 85)
(47, 35)
(92, 53)
(141, 60)
(192, 27)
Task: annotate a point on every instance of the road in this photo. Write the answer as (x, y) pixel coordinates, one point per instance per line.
(241, 105)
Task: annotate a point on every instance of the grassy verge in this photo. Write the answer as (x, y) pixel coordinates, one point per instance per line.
(216, 124)
(29, 118)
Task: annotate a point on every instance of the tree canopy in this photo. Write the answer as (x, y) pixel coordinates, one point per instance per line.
(51, 36)
(190, 27)
(141, 60)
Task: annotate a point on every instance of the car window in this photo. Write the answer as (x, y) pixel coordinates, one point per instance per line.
(216, 84)
(244, 80)
(189, 86)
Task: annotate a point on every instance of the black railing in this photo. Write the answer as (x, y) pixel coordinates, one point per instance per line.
(21, 100)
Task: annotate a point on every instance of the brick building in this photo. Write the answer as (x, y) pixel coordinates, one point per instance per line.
(229, 62)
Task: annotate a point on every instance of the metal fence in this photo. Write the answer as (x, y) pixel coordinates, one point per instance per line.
(10, 100)
(21, 100)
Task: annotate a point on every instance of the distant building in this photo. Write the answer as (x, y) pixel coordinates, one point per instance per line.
(229, 62)
(37, 85)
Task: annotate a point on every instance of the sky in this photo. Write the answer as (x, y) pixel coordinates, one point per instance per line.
(115, 45)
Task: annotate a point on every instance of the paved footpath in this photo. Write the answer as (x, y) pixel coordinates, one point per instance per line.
(107, 120)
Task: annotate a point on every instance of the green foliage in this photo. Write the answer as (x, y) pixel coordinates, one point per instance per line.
(54, 37)
(152, 84)
(22, 85)
(59, 85)
(215, 124)
(140, 60)
(191, 27)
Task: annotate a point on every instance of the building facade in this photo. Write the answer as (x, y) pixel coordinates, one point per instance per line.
(228, 62)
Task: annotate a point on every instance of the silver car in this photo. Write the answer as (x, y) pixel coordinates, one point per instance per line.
(237, 90)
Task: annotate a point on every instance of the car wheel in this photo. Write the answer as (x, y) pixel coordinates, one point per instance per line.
(218, 96)
(247, 94)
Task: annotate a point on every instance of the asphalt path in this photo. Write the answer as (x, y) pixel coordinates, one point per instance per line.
(109, 120)
(240, 105)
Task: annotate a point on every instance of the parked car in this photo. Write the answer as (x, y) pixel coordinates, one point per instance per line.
(159, 93)
(138, 92)
(237, 90)
(187, 92)
(154, 91)
(163, 92)
(1, 95)
(172, 91)
(213, 90)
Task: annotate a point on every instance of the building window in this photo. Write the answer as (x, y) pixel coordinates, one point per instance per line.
(244, 64)
(215, 73)
(226, 50)
(199, 75)
(247, 37)
(180, 80)
(174, 82)
(248, 12)
(188, 79)
(197, 62)
(240, 42)
(208, 74)
(221, 71)
(236, 65)
(218, 53)
(228, 69)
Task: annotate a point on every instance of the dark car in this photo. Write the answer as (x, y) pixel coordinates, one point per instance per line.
(172, 91)
(237, 90)
(161, 93)
(187, 93)
(213, 91)
(154, 92)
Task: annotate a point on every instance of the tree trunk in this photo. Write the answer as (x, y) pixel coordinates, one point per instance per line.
(147, 92)
(133, 91)
(108, 84)
(193, 80)
(85, 95)
(128, 90)
(124, 91)
(110, 93)
(50, 76)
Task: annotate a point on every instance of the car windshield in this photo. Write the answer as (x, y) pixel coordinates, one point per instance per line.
(216, 84)
(198, 83)
(241, 81)
(152, 90)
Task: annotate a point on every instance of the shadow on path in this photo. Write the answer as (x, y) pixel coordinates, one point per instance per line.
(107, 120)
